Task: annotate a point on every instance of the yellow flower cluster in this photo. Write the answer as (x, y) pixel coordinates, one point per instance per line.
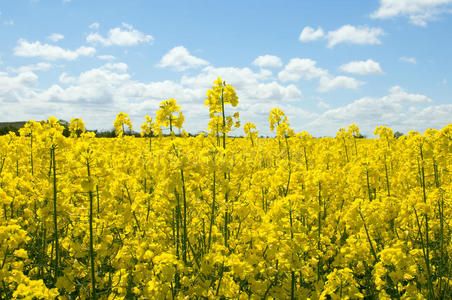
(121, 121)
(291, 217)
(165, 117)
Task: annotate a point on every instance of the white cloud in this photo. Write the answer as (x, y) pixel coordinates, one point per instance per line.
(417, 11)
(299, 68)
(309, 34)
(328, 83)
(13, 89)
(26, 79)
(94, 26)
(93, 87)
(65, 78)
(323, 105)
(179, 59)
(399, 110)
(240, 78)
(435, 116)
(49, 52)
(125, 36)
(305, 68)
(121, 67)
(270, 61)
(106, 57)
(42, 66)
(273, 90)
(362, 67)
(55, 37)
(354, 35)
(399, 95)
(97, 95)
(410, 60)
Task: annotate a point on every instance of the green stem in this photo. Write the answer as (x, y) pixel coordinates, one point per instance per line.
(91, 247)
(374, 254)
(97, 196)
(177, 225)
(427, 242)
(212, 212)
(224, 119)
(346, 150)
(290, 166)
(305, 158)
(368, 185)
(185, 238)
(387, 178)
(55, 223)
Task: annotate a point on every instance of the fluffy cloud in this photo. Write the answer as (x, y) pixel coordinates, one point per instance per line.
(299, 68)
(120, 67)
(42, 66)
(410, 60)
(435, 116)
(417, 11)
(354, 35)
(270, 61)
(272, 90)
(240, 78)
(94, 26)
(15, 88)
(328, 83)
(179, 59)
(106, 57)
(125, 36)
(50, 52)
(309, 34)
(347, 34)
(305, 68)
(399, 110)
(399, 95)
(65, 78)
(323, 105)
(55, 37)
(98, 94)
(362, 67)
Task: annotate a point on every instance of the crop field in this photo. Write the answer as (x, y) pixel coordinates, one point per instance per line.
(217, 217)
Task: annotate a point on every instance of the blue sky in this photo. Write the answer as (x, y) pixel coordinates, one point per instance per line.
(327, 64)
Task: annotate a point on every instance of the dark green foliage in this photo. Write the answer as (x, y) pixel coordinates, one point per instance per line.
(7, 129)
(397, 134)
(65, 124)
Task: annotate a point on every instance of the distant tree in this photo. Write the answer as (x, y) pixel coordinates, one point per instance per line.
(65, 124)
(5, 130)
(359, 136)
(105, 133)
(397, 134)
